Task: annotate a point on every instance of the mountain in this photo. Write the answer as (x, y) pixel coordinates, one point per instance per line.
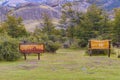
(32, 14)
(31, 10)
(108, 4)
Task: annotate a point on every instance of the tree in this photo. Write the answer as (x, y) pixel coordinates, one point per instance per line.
(106, 26)
(92, 24)
(47, 25)
(95, 21)
(95, 16)
(14, 27)
(47, 34)
(68, 20)
(116, 30)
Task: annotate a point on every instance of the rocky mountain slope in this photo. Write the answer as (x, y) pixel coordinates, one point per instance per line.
(31, 10)
(108, 4)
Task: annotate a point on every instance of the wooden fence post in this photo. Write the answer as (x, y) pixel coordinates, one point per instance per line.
(109, 51)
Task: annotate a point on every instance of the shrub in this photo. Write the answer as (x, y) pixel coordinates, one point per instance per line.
(1, 57)
(82, 43)
(75, 44)
(53, 38)
(9, 50)
(52, 46)
(118, 53)
(100, 52)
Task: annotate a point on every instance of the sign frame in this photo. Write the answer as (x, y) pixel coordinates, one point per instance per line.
(31, 52)
(105, 47)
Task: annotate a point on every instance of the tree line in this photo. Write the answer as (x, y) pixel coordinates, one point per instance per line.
(76, 28)
(94, 24)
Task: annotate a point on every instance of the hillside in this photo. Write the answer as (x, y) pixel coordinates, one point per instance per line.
(31, 10)
(108, 4)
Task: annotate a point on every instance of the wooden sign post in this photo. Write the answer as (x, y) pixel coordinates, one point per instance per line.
(31, 48)
(100, 45)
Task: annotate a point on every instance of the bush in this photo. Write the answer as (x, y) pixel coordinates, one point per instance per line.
(52, 46)
(1, 57)
(82, 43)
(9, 50)
(75, 44)
(100, 52)
(53, 38)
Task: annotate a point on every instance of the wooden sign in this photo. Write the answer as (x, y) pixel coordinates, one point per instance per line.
(97, 44)
(31, 48)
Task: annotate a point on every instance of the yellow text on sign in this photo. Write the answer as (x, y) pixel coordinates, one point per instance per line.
(26, 47)
(97, 44)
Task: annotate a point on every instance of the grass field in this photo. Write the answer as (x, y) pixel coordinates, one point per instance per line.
(65, 65)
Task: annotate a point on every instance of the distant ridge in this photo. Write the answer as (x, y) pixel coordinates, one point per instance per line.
(31, 10)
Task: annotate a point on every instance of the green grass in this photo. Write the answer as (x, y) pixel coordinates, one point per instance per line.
(65, 65)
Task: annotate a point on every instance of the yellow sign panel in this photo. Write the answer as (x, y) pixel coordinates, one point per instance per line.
(99, 44)
(31, 48)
